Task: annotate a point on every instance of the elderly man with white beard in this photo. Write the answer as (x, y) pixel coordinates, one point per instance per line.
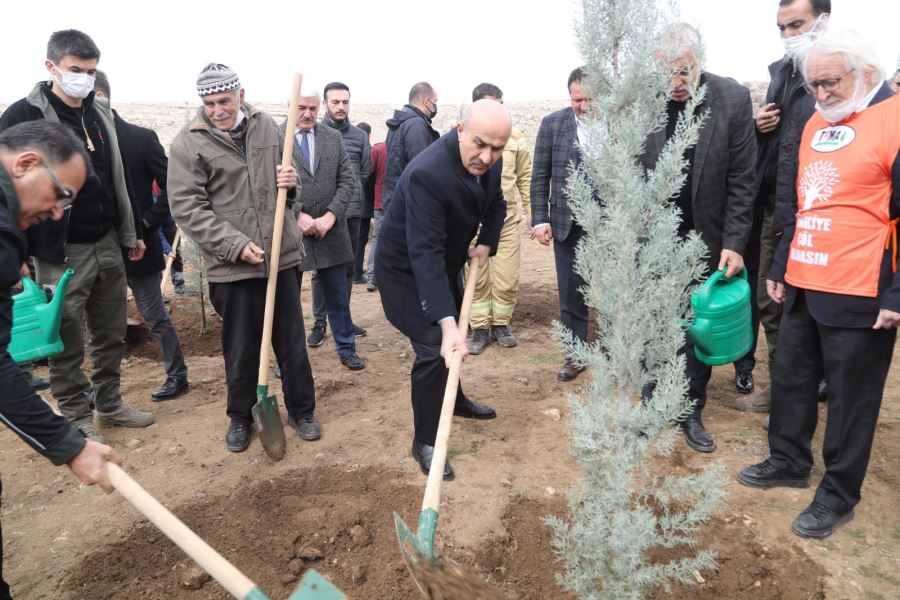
(835, 273)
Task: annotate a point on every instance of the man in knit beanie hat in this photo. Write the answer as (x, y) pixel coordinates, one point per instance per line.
(223, 181)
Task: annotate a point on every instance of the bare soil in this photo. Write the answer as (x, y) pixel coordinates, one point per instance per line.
(337, 495)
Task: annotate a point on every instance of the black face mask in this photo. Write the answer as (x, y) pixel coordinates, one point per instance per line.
(433, 110)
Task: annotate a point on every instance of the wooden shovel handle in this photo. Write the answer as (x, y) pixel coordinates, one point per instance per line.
(432, 497)
(286, 160)
(235, 582)
(169, 260)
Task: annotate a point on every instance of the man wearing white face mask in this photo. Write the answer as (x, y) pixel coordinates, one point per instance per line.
(835, 271)
(91, 239)
(779, 124)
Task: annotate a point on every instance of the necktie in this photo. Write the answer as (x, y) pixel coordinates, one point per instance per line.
(304, 147)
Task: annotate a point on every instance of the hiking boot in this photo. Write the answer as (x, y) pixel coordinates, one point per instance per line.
(819, 521)
(125, 416)
(756, 402)
(316, 337)
(238, 436)
(503, 336)
(765, 475)
(308, 427)
(359, 331)
(86, 429)
(480, 339)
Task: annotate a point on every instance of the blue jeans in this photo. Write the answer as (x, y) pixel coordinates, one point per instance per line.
(333, 283)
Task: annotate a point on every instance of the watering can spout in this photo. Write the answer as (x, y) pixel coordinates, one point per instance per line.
(35, 331)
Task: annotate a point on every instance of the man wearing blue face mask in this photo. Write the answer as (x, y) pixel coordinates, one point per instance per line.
(91, 239)
(779, 125)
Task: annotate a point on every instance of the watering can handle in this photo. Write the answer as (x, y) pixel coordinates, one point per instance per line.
(706, 289)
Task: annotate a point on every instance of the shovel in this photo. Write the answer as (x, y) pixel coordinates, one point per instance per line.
(170, 260)
(265, 412)
(417, 548)
(312, 587)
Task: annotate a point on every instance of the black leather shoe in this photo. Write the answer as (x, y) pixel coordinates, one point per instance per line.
(237, 438)
(423, 455)
(569, 371)
(696, 435)
(353, 362)
(765, 475)
(40, 383)
(308, 428)
(467, 409)
(818, 521)
(316, 336)
(359, 331)
(743, 382)
(171, 389)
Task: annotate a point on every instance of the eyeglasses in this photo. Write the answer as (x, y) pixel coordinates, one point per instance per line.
(826, 85)
(64, 197)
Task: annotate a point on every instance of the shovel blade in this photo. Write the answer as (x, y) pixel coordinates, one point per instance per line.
(315, 587)
(269, 426)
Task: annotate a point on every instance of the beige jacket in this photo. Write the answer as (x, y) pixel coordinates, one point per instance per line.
(516, 175)
(222, 199)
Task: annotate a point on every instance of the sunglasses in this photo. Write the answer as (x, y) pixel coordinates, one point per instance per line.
(64, 197)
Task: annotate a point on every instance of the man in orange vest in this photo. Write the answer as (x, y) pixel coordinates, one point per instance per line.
(835, 273)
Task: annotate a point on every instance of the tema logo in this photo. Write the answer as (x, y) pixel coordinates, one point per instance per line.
(833, 138)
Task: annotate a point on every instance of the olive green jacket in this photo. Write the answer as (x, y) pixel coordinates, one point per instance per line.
(223, 198)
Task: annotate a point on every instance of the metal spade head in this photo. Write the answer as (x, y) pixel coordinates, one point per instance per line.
(315, 587)
(268, 424)
(437, 579)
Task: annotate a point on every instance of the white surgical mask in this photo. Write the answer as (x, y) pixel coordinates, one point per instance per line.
(798, 46)
(75, 85)
(841, 111)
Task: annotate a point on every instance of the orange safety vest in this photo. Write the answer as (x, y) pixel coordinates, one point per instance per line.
(843, 201)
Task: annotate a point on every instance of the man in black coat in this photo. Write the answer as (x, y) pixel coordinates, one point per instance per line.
(42, 167)
(443, 196)
(717, 198)
(145, 161)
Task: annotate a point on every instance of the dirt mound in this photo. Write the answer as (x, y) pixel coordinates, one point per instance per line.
(329, 519)
(185, 313)
(523, 565)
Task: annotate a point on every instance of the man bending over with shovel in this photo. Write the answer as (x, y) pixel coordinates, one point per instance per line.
(42, 167)
(223, 177)
(443, 196)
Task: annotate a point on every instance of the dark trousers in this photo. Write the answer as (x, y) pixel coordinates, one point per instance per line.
(242, 305)
(573, 312)
(333, 285)
(855, 363)
(4, 587)
(359, 252)
(747, 363)
(148, 297)
(318, 294)
(429, 378)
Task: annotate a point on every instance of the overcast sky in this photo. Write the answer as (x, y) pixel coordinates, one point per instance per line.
(153, 50)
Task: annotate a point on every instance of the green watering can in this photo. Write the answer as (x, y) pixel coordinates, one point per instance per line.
(722, 330)
(35, 330)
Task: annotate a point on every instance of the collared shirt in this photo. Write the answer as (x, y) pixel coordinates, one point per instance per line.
(311, 139)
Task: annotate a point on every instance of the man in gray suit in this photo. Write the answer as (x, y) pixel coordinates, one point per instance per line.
(719, 191)
(327, 187)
